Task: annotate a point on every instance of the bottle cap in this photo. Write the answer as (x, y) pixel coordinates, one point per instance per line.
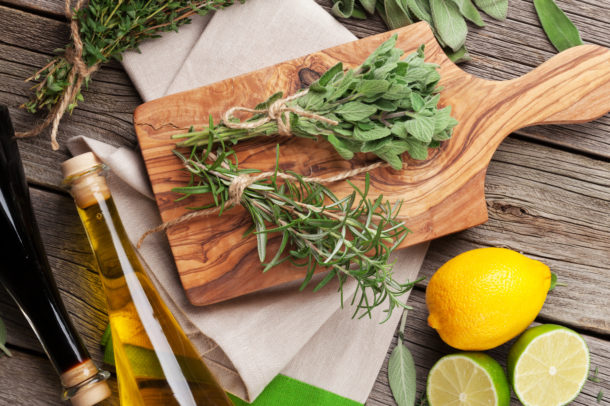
(79, 164)
(86, 384)
(83, 174)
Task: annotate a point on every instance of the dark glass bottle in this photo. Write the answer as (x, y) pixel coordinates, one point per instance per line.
(26, 275)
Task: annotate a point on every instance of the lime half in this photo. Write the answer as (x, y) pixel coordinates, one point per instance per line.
(467, 379)
(548, 365)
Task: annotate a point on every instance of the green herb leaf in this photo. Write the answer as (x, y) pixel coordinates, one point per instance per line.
(420, 9)
(600, 396)
(469, 11)
(494, 8)
(553, 281)
(562, 33)
(401, 373)
(449, 23)
(3, 337)
(356, 111)
(459, 56)
(421, 128)
(396, 14)
(368, 5)
(374, 133)
(594, 377)
(343, 8)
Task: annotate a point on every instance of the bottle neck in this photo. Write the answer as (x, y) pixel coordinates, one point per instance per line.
(88, 188)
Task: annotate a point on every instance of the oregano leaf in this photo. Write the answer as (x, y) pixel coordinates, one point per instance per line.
(356, 111)
(421, 128)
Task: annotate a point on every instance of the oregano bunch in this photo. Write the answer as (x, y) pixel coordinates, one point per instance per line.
(387, 106)
(352, 236)
(446, 17)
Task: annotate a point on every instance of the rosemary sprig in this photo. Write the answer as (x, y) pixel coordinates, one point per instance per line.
(352, 236)
(107, 29)
(387, 106)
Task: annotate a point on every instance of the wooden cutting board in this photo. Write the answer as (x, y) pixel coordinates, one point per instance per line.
(442, 195)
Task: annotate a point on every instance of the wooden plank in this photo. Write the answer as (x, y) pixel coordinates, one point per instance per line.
(427, 348)
(53, 8)
(27, 379)
(552, 206)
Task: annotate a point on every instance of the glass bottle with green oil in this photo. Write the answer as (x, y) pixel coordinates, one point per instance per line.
(156, 363)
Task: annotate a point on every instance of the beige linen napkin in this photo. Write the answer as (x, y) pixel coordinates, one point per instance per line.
(249, 340)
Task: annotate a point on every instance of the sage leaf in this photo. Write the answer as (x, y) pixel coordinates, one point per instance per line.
(449, 23)
(3, 339)
(368, 5)
(396, 14)
(494, 8)
(461, 55)
(420, 9)
(401, 371)
(562, 33)
(469, 11)
(356, 111)
(343, 8)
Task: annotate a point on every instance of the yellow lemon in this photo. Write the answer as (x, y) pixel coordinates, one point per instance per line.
(484, 297)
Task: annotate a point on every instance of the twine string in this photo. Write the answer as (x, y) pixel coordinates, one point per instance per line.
(279, 111)
(79, 72)
(240, 183)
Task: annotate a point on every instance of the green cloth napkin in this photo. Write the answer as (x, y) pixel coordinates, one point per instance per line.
(281, 391)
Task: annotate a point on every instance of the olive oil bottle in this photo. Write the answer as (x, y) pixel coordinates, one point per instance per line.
(27, 277)
(156, 363)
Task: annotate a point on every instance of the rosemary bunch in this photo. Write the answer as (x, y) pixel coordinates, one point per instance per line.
(352, 236)
(108, 28)
(387, 106)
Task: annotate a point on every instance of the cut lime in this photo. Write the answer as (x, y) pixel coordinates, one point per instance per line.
(548, 365)
(467, 379)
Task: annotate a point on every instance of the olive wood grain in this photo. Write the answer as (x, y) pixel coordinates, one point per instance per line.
(442, 195)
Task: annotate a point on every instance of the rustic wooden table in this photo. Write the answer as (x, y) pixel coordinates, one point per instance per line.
(548, 194)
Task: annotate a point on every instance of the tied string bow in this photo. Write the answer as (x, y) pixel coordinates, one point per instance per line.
(78, 73)
(279, 111)
(240, 183)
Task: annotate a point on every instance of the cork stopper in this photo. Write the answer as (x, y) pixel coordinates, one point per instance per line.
(83, 174)
(86, 393)
(79, 164)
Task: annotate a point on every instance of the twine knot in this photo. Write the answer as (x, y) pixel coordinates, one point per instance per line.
(78, 73)
(278, 111)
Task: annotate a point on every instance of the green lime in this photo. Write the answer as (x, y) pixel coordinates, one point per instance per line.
(548, 365)
(467, 379)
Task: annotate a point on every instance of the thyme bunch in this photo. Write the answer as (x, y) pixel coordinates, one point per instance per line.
(351, 236)
(107, 29)
(387, 106)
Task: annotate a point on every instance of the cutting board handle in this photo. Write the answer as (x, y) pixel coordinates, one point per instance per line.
(571, 87)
